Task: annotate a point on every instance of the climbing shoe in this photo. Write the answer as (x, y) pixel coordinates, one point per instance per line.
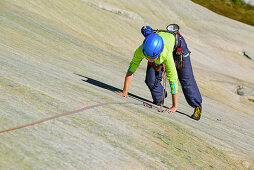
(197, 113)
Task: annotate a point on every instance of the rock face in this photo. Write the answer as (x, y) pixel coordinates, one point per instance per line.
(61, 56)
(248, 55)
(245, 91)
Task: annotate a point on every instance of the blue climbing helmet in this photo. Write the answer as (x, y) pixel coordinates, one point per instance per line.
(146, 30)
(152, 46)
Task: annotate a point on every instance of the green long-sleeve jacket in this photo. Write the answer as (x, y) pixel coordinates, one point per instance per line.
(166, 58)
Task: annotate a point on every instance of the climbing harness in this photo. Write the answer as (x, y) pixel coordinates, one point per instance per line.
(155, 67)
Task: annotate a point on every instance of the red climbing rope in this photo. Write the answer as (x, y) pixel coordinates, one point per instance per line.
(64, 114)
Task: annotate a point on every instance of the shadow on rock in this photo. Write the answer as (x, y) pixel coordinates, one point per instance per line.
(115, 90)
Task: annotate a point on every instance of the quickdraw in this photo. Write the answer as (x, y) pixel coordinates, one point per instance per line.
(150, 106)
(178, 54)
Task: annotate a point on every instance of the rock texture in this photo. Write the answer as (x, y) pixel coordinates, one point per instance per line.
(59, 56)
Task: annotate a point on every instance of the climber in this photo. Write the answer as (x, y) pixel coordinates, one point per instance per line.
(166, 50)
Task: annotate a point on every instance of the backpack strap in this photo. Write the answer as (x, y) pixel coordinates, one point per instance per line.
(176, 41)
(174, 29)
